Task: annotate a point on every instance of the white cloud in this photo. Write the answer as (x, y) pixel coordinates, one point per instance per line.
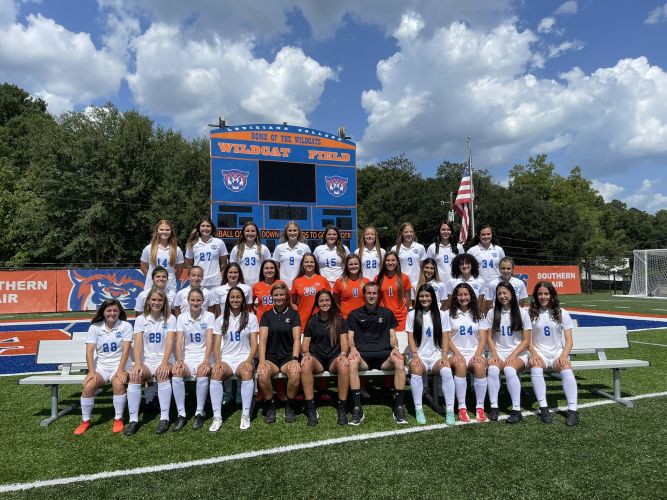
(657, 15)
(8, 12)
(646, 198)
(557, 50)
(63, 67)
(569, 7)
(193, 81)
(608, 190)
(411, 24)
(546, 25)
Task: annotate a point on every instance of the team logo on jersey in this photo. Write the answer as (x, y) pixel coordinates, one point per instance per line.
(202, 326)
(119, 334)
(235, 180)
(336, 185)
(91, 287)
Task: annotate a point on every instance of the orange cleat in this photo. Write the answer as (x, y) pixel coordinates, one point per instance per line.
(481, 416)
(83, 427)
(463, 415)
(117, 425)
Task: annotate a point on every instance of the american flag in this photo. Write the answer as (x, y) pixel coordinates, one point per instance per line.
(464, 199)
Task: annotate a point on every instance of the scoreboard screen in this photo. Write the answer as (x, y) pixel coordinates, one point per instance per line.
(272, 174)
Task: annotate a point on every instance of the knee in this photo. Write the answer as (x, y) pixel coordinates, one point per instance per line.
(178, 371)
(536, 371)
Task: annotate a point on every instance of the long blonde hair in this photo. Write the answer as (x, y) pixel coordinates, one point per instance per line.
(173, 243)
(166, 308)
(362, 243)
(399, 238)
(300, 238)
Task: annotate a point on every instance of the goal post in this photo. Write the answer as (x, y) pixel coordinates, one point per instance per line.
(649, 274)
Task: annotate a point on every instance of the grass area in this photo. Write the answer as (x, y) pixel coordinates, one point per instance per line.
(604, 301)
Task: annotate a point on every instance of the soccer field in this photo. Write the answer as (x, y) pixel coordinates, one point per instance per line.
(616, 452)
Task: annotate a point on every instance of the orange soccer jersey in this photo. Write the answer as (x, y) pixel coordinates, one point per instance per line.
(389, 297)
(305, 289)
(261, 291)
(350, 296)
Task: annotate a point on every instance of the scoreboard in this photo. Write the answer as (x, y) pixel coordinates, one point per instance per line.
(272, 174)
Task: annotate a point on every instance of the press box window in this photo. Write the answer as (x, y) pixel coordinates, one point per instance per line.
(286, 181)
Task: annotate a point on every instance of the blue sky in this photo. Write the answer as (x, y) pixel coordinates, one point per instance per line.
(582, 80)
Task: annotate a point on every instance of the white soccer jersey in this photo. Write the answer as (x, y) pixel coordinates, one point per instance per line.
(206, 254)
(181, 299)
(427, 349)
(219, 295)
(162, 260)
(236, 343)
(289, 259)
(109, 343)
(465, 331)
(194, 333)
(411, 259)
(443, 258)
(488, 259)
(371, 262)
(507, 340)
(441, 290)
(478, 285)
(331, 265)
(250, 262)
(140, 301)
(518, 285)
(154, 336)
(548, 334)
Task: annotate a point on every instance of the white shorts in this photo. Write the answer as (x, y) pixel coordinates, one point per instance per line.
(193, 364)
(234, 362)
(523, 356)
(549, 358)
(430, 362)
(467, 355)
(106, 371)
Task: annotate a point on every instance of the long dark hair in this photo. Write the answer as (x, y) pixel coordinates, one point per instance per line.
(454, 304)
(399, 275)
(453, 239)
(99, 315)
(463, 258)
(195, 234)
(232, 265)
(494, 240)
(515, 309)
(335, 317)
(302, 271)
(340, 249)
(244, 311)
(434, 309)
(261, 270)
(554, 302)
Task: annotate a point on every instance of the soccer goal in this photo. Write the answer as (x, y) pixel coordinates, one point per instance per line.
(649, 275)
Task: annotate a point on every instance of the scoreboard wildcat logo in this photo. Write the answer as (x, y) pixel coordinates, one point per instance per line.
(235, 180)
(336, 185)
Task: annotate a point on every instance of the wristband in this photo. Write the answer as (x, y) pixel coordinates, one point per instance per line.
(295, 358)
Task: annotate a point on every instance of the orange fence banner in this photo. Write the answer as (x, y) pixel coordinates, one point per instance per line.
(27, 291)
(565, 279)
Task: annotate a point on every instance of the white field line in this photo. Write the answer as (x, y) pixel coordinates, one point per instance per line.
(647, 343)
(6, 488)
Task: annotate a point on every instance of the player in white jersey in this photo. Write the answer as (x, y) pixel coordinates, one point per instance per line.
(162, 251)
(508, 338)
(429, 275)
(194, 344)
(231, 277)
(506, 267)
(428, 336)
(160, 277)
(488, 253)
(410, 253)
(107, 357)
(154, 333)
(444, 249)
(204, 250)
(465, 269)
(466, 345)
(195, 275)
(234, 347)
(290, 251)
(330, 255)
(249, 253)
(550, 348)
(370, 253)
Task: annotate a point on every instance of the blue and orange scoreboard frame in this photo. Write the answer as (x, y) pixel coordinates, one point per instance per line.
(272, 174)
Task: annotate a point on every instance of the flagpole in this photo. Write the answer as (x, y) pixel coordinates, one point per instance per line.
(472, 190)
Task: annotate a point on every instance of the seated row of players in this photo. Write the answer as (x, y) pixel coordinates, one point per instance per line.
(449, 344)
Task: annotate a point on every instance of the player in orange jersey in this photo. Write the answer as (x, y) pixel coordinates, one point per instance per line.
(347, 289)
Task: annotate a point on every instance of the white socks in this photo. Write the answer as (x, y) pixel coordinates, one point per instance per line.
(164, 396)
(202, 392)
(448, 387)
(513, 386)
(87, 407)
(179, 394)
(133, 401)
(216, 397)
(119, 404)
(493, 379)
(460, 387)
(570, 388)
(417, 386)
(539, 386)
(480, 385)
(247, 391)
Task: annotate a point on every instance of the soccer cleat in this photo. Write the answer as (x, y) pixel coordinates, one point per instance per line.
(83, 427)
(245, 423)
(117, 425)
(271, 415)
(357, 415)
(131, 428)
(342, 415)
(199, 422)
(180, 423)
(545, 416)
(463, 415)
(515, 417)
(313, 417)
(450, 419)
(215, 424)
(162, 427)
(399, 415)
(421, 418)
(494, 413)
(480, 415)
(290, 416)
(572, 418)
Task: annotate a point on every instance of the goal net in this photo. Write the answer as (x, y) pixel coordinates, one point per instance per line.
(649, 275)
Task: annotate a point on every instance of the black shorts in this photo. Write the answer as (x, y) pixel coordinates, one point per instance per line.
(375, 359)
(279, 362)
(325, 361)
